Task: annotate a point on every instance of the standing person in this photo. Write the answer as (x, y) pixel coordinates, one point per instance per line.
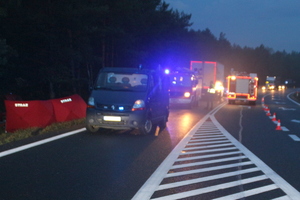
(210, 96)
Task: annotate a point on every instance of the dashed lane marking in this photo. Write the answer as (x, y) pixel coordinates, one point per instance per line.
(295, 138)
(209, 163)
(284, 128)
(295, 120)
(283, 108)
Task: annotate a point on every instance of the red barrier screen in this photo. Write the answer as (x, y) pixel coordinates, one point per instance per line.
(69, 108)
(25, 114)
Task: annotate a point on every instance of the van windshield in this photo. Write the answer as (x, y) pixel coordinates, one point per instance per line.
(121, 81)
(179, 80)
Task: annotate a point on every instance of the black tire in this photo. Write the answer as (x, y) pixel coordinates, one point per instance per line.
(163, 124)
(147, 128)
(194, 103)
(91, 128)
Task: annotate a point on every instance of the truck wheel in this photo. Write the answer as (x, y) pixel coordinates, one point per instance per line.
(91, 128)
(147, 128)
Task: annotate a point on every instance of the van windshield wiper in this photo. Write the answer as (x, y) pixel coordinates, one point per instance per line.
(103, 88)
(112, 88)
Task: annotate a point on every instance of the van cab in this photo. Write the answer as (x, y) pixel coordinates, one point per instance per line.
(128, 98)
(185, 88)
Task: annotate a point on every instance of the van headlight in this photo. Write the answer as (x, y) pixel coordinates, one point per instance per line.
(138, 105)
(187, 94)
(91, 102)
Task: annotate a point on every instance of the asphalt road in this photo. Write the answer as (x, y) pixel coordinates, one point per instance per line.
(110, 165)
(115, 165)
(275, 147)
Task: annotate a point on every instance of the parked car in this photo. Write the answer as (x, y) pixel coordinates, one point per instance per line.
(128, 98)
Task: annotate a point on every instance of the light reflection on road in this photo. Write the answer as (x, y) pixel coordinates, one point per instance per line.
(180, 123)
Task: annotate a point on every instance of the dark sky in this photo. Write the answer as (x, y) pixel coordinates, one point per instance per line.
(273, 23)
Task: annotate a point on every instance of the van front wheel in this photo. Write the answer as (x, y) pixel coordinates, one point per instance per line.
(91, 128)
(147, 128)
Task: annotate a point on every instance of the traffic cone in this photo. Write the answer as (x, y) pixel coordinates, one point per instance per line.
(278, 128)
(266, 108)
(268, 112)
(274, 117)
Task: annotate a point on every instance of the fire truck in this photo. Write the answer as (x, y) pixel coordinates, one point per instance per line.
(242, 87)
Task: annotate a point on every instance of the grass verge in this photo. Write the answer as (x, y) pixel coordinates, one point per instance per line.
(34, 131)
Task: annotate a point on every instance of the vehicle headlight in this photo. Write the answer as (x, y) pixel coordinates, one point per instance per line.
(138, 105)
(219, 86)
(91, 102)
(187, 94)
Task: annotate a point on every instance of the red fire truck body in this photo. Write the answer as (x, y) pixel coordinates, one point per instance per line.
(242, 88)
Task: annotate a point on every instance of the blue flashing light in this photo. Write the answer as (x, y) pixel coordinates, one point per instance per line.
(167, 71)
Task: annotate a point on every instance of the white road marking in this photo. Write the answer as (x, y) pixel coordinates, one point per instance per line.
(207, 178)
(211, 188)
(295, 138)
(21, 148)
(276, 102)
(248, 192)
(249, 107)
(295, 120)
(288, 96)
(208, 169)
(191, 157)
(283, 108)
(284, 128)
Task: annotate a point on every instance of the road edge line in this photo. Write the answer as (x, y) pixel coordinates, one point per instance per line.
(34, 144)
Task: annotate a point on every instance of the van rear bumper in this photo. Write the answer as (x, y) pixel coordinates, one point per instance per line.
(115, 120)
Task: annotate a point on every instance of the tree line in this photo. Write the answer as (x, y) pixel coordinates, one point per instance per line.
(54, 48)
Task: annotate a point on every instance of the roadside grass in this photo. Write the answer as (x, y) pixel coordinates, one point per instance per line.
(31, 132)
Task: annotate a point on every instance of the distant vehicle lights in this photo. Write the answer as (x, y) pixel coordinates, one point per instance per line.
(219, 86)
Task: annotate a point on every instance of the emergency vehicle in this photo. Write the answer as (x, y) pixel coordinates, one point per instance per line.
(128, 98)
(185, 87)
(211, 73)
(273, 83)
(242, 87)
